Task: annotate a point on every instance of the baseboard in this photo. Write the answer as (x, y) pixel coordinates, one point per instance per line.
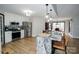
(73, 36)
(33, 35)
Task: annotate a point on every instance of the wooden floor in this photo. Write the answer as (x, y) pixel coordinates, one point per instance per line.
(28, 46)
(22, 46)
(72, 48)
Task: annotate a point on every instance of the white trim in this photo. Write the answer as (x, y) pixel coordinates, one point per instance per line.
(73, 36)
(33, 35)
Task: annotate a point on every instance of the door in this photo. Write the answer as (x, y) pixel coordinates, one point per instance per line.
(2, 41)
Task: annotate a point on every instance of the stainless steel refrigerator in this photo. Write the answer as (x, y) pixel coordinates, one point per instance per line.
(27, 26)
(2, 33)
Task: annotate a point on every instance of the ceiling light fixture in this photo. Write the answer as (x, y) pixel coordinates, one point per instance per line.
(28, 12)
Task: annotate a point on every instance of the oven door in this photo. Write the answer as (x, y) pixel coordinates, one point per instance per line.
(16, 35)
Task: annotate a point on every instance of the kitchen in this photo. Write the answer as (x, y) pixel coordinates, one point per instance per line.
(14, 27)
(18, 24)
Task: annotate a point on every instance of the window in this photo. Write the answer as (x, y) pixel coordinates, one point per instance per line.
(59, 25)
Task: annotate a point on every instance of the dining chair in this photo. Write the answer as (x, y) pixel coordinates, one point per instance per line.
(62, 45)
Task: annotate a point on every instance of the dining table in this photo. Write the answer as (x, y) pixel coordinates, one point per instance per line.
(52, 38)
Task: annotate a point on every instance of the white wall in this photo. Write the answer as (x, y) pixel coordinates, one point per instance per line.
(67, 26)
(75, 27)
(38, 25)
(10, 17)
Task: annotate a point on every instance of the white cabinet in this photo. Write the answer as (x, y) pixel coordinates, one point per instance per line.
(8, 36)
(22, 33)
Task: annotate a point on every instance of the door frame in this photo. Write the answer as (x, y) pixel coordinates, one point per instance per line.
(3, 29)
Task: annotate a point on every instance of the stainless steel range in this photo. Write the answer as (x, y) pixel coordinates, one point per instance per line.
(16, 30)
(15, 35)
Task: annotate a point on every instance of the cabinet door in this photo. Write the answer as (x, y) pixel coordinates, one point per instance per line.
(8, 36)
(22, 33)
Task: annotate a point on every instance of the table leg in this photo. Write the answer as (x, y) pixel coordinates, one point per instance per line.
(53, 49)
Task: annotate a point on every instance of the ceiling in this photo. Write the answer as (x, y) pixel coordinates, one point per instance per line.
(38, 9)
(66, 9)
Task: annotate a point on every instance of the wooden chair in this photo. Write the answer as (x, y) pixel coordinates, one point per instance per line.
(62, 45)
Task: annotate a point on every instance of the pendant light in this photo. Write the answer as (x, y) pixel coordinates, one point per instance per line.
(47, 14)
(50, 15)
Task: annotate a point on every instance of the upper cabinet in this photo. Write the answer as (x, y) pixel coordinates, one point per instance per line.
(10, 17)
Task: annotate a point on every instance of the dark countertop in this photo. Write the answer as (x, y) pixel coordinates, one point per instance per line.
(12, 30)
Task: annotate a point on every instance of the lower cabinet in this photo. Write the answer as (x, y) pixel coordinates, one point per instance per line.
(22, 33)
(8, 36)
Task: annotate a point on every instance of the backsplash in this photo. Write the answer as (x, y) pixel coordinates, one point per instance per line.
(13, 26)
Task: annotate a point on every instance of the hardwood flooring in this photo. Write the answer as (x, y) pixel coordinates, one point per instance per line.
(22, 46)
(72, 48)
(28, 46)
